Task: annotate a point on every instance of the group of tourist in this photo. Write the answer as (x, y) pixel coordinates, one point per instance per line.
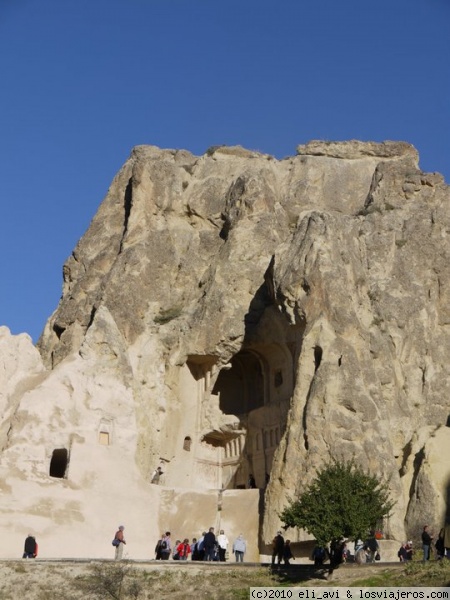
(365, 551)
(281, 550)
(339, 552)
(208, 547)
(406, 551)
(368, 551)
(440, 549)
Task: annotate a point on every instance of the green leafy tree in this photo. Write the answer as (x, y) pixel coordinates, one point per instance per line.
(343, 501)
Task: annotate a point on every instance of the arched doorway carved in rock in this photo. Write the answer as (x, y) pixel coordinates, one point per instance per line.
(256, 387)
(241, 388)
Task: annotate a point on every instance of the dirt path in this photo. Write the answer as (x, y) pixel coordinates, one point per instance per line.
(74, 580)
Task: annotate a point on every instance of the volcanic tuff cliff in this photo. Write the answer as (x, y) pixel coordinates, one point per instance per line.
(232, 314)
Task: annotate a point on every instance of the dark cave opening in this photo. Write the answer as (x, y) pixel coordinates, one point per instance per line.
(58, 463)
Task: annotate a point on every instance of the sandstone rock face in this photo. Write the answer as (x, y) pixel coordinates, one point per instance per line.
(21, 368)
(232, 314)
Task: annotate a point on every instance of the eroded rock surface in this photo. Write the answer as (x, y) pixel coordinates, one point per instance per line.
(232, 314)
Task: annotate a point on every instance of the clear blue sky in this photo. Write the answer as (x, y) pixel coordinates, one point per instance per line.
(83, 81)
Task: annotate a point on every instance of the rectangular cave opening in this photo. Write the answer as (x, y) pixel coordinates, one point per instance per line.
(59, 463)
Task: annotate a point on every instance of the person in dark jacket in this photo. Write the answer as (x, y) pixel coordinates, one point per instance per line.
(209, 543)
(372, 547)
(158, 547)
(403, 552)
(194, 550)
(30, 547)
(319, 555)
(287, 553)
(277, 548)
(199, 551)
(166, 546)
(440, 546)
(426, 543)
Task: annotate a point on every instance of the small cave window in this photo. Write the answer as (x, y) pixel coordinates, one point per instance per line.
(103, 438)
(187, 443)
(317, 357)
(448, 421)
(59, 462)
(105, 432)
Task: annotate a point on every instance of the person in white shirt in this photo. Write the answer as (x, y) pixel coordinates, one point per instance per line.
(156, 475)
(223, 542)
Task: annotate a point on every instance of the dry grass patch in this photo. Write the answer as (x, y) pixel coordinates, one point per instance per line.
(99, 580)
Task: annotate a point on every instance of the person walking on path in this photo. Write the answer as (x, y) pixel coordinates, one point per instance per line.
(30, 547)
(209, 543)
(223, 542)
(372, 546)
(239, 548)
(440, 546)
(183, 549)
(200, 548)
(119, 547)
(194, 552)
(175, 555)
(166, 546)
(427, 538)
(287, 553)
(158, 547)
(319, 555)
(277, 548)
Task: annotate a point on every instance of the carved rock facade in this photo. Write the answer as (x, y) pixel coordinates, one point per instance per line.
(232, 314)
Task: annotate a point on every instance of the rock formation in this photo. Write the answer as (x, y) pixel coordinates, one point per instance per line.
(233, 314)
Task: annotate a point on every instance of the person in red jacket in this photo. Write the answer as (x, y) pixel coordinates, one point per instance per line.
(184, 549)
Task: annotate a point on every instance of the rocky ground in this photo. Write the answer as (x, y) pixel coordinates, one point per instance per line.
(73, 580)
